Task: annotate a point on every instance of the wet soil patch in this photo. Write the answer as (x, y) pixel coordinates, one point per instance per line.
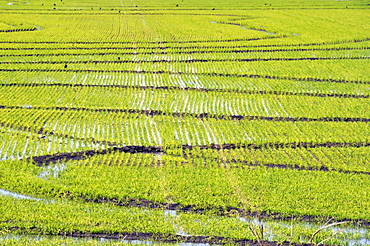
(239, 25)
(193, 239)
(221, 211)
(48, 159)
(168, 238)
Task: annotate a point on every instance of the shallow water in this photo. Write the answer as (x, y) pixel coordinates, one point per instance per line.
(178, 228)
(20, 196)
(250, 29)
(359, 242)
(99, 241)
(16, 195)
(359, 233)
(52, 171)
(273, 229)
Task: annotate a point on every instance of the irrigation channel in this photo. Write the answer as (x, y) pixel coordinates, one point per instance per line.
(351, 235)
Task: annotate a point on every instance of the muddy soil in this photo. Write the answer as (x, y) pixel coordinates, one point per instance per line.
(222, 211)
(169, 238)
(48, 159)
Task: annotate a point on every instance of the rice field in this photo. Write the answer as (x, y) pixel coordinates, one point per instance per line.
(177, 122)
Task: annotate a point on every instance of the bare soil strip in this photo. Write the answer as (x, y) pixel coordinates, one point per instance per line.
(256, 92)
(272, 77)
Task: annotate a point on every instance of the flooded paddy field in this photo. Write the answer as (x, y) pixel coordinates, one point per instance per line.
(185, 123)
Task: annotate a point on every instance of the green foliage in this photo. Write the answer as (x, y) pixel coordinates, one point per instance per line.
(259, 106)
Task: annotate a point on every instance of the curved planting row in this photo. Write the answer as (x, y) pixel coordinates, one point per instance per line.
(45, 133)
(359, 40)
(323, 168)
(191, 52)
(201, 115)
(186, 73)
(174, 47)
(228, 211)
(300, 168)
(282, 145)
(48, 159)
(189, 60)
(236, 90)
(158, 42)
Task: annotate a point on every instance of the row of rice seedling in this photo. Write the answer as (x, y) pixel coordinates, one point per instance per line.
(147, 53)
(311, 26)
(139, 129)
(19, 143)
(311, 193)
(186, 82)
(177, 121)
(327, 70)
(343, 159)
(180, 101)
(101, 220)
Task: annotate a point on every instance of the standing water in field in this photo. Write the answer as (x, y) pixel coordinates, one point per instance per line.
(52, 171)
(20, 196)
(178, 228)
(16, 195)
(246, 28)
(83, 240)
(274, 230)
